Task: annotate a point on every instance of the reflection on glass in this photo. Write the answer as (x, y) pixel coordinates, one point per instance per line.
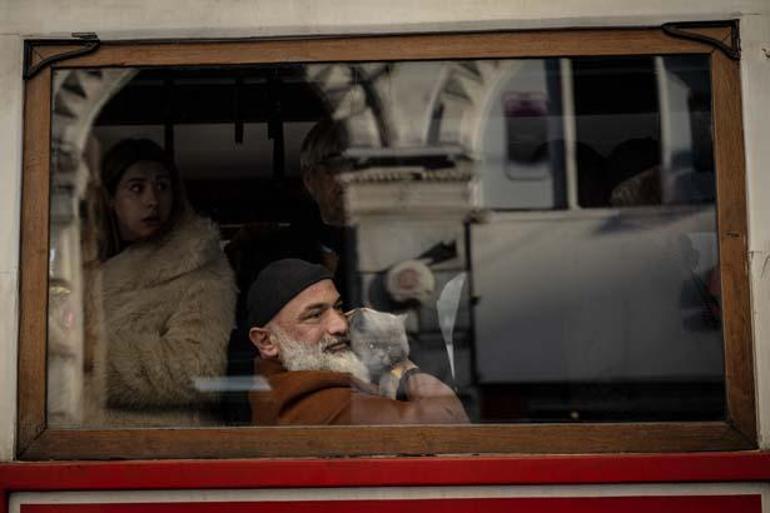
(534, 240)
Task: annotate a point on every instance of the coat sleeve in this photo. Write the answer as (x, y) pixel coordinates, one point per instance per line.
(348, 406)
(430, 402)
(160, 368)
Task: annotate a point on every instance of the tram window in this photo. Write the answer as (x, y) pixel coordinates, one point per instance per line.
(548, 338)
(486, 241)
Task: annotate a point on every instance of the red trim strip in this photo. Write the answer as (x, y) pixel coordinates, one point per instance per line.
(701, 504)
(427, 471)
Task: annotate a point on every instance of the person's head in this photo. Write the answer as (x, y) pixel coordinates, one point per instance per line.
(142, 190)
(319, 163)
(295, 317)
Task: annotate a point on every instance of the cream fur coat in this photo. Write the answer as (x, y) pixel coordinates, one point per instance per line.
(159, 316)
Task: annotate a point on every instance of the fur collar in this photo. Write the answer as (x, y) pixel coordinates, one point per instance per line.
(190, 245)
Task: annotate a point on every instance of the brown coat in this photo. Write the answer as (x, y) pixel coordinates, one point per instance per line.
(333, 398)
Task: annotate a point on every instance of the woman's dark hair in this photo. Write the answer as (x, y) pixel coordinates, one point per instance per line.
(128, 152)
(114, 164)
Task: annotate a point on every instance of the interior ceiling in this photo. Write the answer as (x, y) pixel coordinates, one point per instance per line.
(213, 96)
(219, 118)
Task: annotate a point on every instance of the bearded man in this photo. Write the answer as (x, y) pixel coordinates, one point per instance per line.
(314, 378)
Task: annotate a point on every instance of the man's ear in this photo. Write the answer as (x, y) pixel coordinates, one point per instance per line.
(262, 340)
(309, 180)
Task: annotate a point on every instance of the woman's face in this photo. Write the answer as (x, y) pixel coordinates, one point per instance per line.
(143, 200)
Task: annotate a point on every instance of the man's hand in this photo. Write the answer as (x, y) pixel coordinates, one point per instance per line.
(390, 381)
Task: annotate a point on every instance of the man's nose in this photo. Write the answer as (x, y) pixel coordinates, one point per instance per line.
(338, 324)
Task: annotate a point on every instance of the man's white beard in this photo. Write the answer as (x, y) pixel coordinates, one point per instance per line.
(296, 355)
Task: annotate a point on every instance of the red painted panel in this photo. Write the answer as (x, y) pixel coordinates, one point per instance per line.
(700, 504)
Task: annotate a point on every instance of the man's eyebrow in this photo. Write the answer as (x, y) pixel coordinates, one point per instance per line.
(321, 305)
(314, 306)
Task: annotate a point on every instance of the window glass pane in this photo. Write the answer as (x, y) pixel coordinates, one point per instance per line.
(526, 240)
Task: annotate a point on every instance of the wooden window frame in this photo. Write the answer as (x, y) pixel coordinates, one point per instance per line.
(737, 432)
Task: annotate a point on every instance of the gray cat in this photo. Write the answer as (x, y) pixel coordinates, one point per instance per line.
(379, 339)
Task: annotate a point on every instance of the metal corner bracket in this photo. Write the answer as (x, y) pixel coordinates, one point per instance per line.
(87, 42)
(683, 30)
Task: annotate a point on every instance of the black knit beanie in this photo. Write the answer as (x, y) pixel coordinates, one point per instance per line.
(279, 283)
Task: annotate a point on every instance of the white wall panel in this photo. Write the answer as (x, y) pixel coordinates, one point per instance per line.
(210, 18)
(390, 493)
(10, 193)
(238, 18)
(755, 70)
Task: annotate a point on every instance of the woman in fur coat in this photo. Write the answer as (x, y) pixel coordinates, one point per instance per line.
(160, 298)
